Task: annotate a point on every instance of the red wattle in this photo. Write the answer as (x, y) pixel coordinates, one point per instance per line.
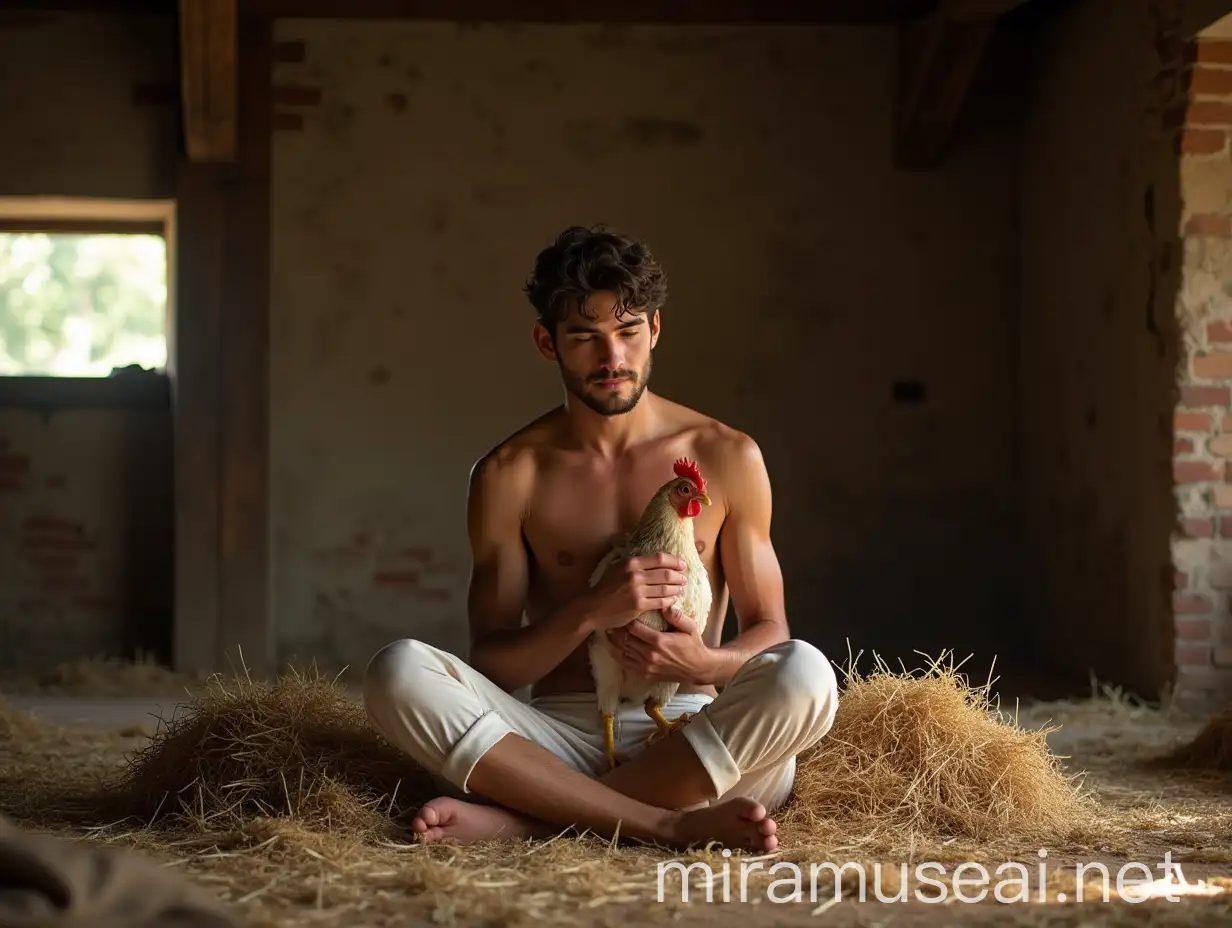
(694, 509)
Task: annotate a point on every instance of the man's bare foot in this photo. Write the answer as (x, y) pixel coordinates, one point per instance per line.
(739, 824)
(456, 822)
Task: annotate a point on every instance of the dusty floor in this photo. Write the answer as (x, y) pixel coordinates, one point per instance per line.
(281, 878)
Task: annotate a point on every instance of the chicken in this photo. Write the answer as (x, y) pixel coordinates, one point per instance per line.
(666, 525)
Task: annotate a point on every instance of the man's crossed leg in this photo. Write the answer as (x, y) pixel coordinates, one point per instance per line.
(540, 768)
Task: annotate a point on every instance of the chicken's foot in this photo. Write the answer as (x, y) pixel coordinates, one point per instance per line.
(665, 727)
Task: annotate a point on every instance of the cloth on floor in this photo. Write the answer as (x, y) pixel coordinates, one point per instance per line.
(51, 882)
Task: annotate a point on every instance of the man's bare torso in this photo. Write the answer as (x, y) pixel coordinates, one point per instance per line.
(579, 503)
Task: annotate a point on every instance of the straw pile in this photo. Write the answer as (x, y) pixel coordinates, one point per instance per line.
(1210, 749)
(928, 755)
(297, 748)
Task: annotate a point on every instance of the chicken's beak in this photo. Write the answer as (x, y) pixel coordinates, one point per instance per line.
(704, 498)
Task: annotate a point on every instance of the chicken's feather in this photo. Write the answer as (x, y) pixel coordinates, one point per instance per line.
(658, 531)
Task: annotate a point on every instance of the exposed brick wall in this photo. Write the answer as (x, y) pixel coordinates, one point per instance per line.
(85, 531)
(1202, 425)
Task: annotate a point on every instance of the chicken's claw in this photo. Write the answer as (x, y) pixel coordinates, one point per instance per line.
(665, 727)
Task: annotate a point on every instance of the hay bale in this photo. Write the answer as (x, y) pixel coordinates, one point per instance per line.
(1210, 749)
(242, 750)
(926, 754)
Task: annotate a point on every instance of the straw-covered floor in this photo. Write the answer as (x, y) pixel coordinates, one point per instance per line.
(282, 798)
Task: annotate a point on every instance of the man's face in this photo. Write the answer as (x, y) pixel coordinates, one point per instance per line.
(604, 359)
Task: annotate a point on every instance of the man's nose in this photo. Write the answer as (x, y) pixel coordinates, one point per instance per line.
(611, 354)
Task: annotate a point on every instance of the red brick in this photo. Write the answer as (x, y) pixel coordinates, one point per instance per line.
(1216, 365)
(1188, 604)
(1178, 579)
(1196, 472)
(297, 96)
(1219, 575)
(1191, 422)
(1221, 496)
(14, 465)
(1220, 445)
(1212, 51)
(1191, 629)
(1204, 677)
(1182, 446)
(1209, 224)
(396, 578)
(1208, 113)
(1198, 528)
(1210, 82)
(1225, 527)
(1195, 396)
(289, 52)
(1192, 655)
(288, 122)
(1202, 142)
(1219, 332)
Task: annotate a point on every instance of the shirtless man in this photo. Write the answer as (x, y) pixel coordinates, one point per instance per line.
(543, 508)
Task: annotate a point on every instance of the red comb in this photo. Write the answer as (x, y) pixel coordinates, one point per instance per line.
(686, 468)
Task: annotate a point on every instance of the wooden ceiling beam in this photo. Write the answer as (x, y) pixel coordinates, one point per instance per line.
(208, 79)
(939, 56)
(601, 11)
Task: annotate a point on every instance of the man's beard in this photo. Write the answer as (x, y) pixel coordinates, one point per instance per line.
(611, 404)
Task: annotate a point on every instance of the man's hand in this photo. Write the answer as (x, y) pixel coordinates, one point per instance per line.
(678, 655)
(632, 586)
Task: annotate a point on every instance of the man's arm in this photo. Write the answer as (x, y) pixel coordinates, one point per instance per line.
(750, 564)
(501, 649)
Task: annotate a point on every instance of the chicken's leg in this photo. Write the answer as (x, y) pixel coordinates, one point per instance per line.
(665, 728)
(609, 739)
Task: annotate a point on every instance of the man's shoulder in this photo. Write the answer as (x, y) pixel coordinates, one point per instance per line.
(511, 462)
(727, 447)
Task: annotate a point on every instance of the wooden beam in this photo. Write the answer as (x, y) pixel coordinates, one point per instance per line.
(938, 59)
(245, 620)
(208, 79)
(602, 11)
(221, 356)
(196, 347)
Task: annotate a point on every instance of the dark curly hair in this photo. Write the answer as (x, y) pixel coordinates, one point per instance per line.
(585, 261)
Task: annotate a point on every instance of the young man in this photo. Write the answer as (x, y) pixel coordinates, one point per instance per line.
(543, 509)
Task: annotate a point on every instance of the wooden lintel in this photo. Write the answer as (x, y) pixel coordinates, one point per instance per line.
(208, 37)
(938, 61)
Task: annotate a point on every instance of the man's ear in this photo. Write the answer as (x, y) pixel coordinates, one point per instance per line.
(543, 341)
(654, 329)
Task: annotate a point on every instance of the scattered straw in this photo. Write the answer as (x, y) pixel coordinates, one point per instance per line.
(281, 797)
(102, 676)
